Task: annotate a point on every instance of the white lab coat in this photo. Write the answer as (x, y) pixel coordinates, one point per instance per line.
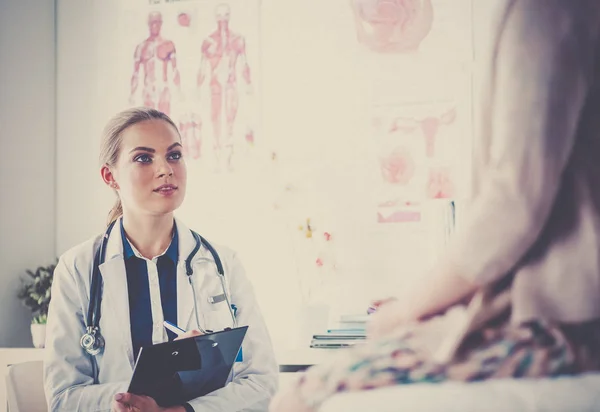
(68, 370)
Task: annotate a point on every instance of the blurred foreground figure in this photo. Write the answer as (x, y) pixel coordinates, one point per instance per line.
(518, 293)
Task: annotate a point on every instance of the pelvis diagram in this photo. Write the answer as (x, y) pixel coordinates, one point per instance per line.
(392, 26)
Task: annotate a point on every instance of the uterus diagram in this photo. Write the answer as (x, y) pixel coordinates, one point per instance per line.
(392, 26)
(427, 126)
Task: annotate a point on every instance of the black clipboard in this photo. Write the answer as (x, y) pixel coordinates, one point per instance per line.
(175, 372)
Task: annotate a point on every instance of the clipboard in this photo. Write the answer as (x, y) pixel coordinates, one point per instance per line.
(175, 372)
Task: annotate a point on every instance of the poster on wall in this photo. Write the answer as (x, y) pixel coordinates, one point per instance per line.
(418, 56)
(197, 61)
(417, 151)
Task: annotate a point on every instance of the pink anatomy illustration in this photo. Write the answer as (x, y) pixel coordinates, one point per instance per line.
(223, 51)
(429, 127)
(156, 55)
(398, 167)
(392, 26)
(439, 183)
(190, 128)
(395, 211)
(184, 19)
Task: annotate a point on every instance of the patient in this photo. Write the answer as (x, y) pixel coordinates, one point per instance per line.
(527, 263)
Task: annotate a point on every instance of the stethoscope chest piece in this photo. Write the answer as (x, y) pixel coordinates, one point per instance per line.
(92, 342)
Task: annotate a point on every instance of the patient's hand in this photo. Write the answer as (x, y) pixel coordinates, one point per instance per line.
(189, 334)
(390, 315)
(376, 304)
(289, 400)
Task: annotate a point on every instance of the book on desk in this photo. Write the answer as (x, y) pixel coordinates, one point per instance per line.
(348, 331)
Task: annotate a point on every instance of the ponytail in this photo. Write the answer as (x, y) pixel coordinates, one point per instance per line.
(115, 212)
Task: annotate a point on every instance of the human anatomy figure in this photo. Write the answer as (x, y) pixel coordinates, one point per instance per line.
(223, 52)
(392, 26)
(190, 127)
(157, 57)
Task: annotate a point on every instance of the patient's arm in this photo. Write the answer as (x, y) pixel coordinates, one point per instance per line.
(539, 87)
(443, 290)
(540, 83)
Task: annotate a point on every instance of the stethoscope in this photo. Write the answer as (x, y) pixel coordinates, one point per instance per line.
(93, 342)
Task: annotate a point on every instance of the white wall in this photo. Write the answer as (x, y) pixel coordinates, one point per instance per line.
(41, 215)
(27, 157)
(314, 112)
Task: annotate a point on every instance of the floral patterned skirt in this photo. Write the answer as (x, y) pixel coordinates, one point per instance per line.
(529, 350)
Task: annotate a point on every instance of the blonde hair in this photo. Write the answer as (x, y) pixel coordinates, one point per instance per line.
(110, 146)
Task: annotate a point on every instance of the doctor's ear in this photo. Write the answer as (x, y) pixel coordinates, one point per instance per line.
(108, 176)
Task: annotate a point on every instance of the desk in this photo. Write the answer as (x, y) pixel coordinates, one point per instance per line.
(301, 359)
(289, 361)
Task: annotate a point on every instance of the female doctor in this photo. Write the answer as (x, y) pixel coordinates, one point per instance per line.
(142, 262)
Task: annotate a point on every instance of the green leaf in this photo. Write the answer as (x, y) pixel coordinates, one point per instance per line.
(36, 294)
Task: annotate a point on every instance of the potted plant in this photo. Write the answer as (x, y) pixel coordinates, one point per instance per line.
(35, 294)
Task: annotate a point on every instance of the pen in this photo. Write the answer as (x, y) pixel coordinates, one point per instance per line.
(175, 329)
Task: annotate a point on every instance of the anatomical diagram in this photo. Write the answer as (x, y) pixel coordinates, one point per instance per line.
(429, 127)
(223, 62)
(156, 56)
(397, 167)
(398, 211)
(392, 26)
(439, 183)
(190, 128)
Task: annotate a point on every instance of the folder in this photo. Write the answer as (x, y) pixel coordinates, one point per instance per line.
(175, 372)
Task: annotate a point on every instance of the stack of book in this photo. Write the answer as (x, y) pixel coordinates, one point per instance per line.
(348, 331)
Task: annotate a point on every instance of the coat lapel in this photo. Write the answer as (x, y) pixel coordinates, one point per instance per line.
(115, 296)
(185, 293)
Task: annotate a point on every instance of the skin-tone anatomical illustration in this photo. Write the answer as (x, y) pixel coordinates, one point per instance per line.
(397, 167)
(429, 126)
(156, 56)
(440, 184)
(223, 60)
(392, 26)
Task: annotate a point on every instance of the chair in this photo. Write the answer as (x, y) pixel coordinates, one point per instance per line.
(25, 387)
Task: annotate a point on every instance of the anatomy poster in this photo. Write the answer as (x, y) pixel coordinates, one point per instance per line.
(417, 56)
(198, 62)
(416, 152)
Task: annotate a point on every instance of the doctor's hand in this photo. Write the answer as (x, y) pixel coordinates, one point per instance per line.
(189, 334)
(128, 402)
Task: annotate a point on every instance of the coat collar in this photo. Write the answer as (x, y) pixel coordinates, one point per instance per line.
(115, 293)
(185, 240)
(130, 251)
(185, 293)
